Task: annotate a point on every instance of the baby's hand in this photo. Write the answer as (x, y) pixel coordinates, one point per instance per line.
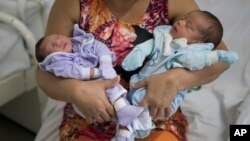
(106, 67)
(108, 73)
(228, 57)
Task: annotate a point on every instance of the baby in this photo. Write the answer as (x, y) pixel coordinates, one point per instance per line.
(188, 43)
(78, 58)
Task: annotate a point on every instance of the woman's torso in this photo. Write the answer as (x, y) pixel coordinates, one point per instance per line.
(118, 35)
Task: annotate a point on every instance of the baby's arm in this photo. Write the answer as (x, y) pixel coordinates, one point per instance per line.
(106, 58)
(68, 69)
(137, 56)
(200, 59)
(106, 67)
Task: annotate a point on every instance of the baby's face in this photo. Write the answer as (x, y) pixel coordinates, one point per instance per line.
(56, 43)
(189, 27)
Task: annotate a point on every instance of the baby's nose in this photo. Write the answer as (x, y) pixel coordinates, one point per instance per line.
(182, 22)
(59, 43)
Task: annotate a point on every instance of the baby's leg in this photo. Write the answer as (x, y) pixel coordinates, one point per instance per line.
(125, 112)
(123, 134)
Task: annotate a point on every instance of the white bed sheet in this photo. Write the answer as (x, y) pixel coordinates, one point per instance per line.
(13, 55)
(211, 110)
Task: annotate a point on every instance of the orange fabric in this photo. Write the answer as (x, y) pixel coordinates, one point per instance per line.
(75, 128)
(155, 136)
(160, 136)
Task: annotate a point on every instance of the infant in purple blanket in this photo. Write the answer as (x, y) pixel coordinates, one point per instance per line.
(85, 58)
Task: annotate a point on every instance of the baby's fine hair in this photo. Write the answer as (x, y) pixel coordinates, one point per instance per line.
(39, 57)
(212, 34)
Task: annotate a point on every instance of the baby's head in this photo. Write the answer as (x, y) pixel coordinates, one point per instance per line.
(198, 27)
(52, 43)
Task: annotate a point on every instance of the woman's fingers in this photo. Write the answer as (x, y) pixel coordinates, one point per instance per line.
(167, 113)
(149, 103)
(99, 118)
(108, 113)
(104, 113)
(89, 119)
(105, 117)
(140, 84)
(153, 111)
(110, 110)
(111, 83)
(160, 92)
(144, 103)
(159, 113)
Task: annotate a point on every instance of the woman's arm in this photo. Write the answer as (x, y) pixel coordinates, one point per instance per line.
(162, 88)
(64, 14)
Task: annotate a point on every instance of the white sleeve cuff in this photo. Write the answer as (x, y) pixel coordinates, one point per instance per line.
(120, 103)
(213, 57)
(86, 74)
(97, 73)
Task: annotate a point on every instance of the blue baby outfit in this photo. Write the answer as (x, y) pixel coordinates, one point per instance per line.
(164, 53)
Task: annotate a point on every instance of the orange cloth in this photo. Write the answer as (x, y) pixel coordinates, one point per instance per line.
(155, 136)
(75, 128)
(160, 136)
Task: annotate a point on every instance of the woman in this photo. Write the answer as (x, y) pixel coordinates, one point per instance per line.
(120, 24)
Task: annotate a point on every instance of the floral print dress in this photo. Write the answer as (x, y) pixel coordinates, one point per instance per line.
(120, 37)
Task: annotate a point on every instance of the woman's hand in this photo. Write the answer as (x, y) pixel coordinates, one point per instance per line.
(92, 100)
(161, 89)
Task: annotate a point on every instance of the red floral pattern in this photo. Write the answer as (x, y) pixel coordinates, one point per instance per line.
(118, 35)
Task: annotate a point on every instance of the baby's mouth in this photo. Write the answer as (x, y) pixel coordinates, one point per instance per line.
(174, 29)
(64, 45)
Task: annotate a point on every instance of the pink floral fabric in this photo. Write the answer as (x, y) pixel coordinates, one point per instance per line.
(118, 35)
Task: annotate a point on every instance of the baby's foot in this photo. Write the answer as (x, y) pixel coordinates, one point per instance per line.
(126, 113)
(108, 72)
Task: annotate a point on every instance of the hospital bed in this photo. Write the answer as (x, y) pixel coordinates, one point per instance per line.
(212, 109)
(16, 78)
(21, 24)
